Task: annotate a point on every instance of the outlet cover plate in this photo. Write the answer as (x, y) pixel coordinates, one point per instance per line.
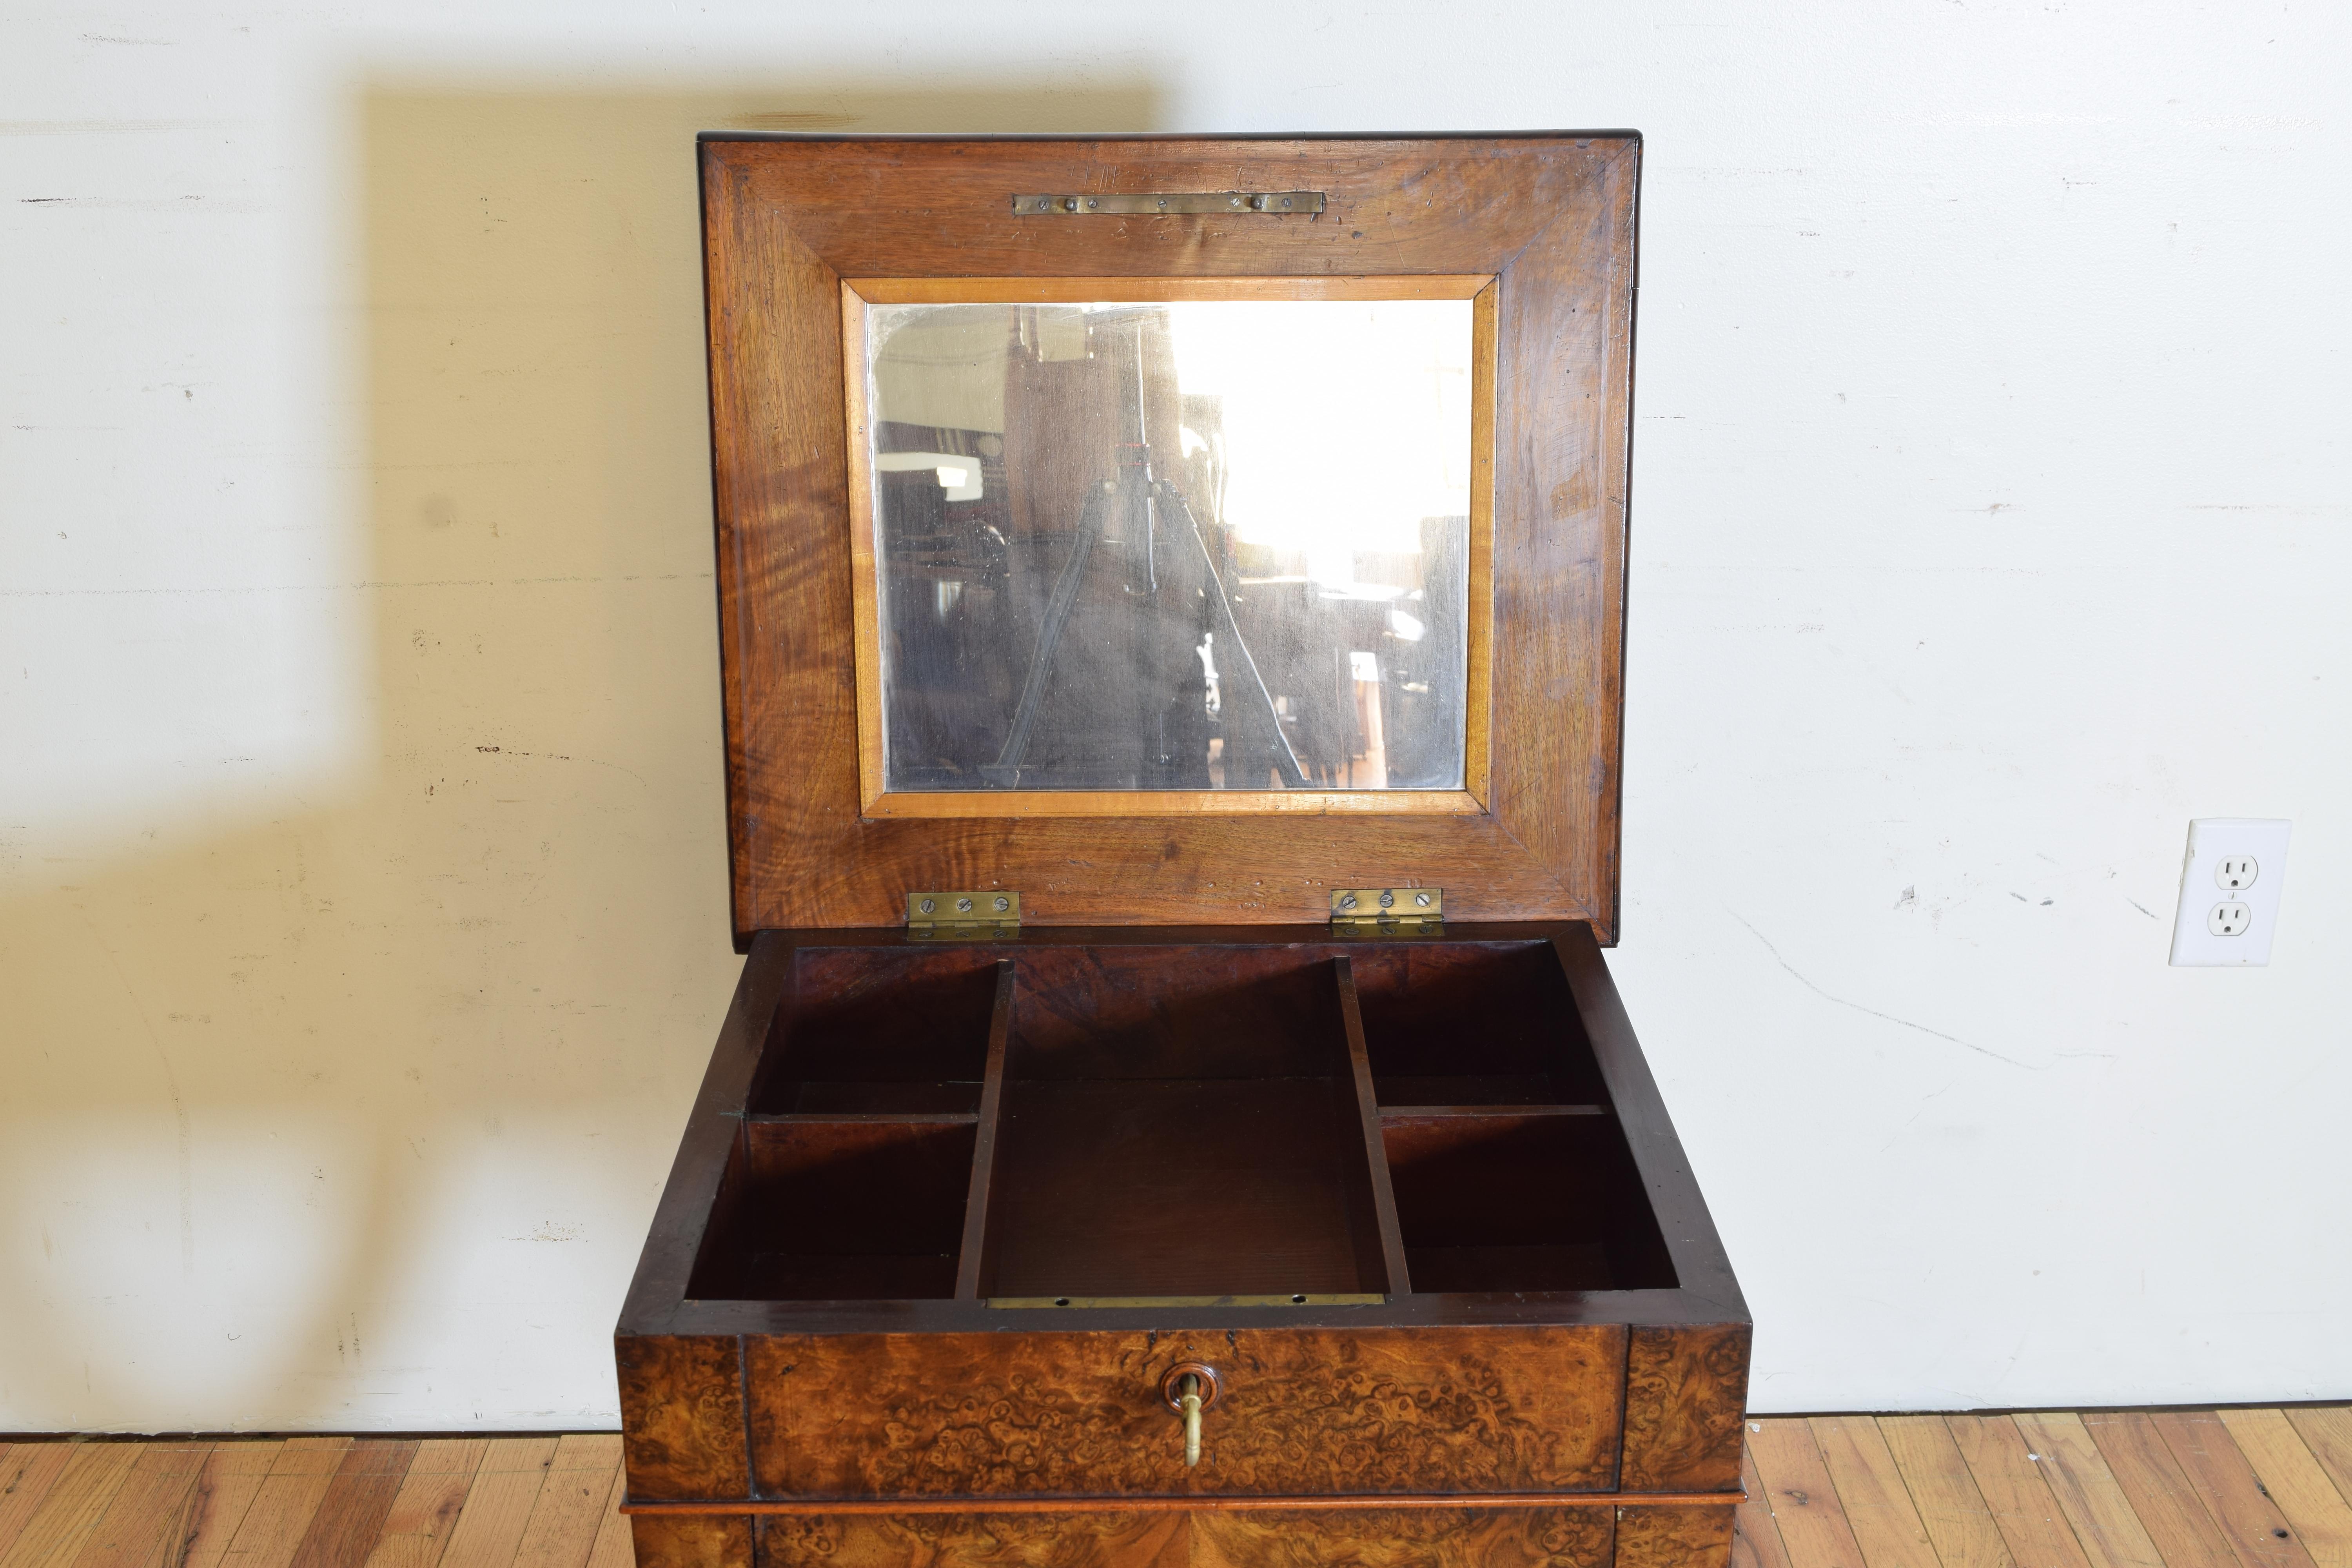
(2203, 885)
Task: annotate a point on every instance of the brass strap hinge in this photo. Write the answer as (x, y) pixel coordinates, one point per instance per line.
(963, 916)
(1386, 912)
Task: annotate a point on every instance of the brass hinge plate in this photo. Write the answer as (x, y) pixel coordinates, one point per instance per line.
(1163, 203)
(963, 917)
(1387, 912)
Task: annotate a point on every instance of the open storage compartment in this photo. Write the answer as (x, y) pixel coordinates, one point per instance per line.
(1075, 1125)
(1181, 1122)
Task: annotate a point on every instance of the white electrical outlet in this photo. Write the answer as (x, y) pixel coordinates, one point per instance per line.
(2230, 892)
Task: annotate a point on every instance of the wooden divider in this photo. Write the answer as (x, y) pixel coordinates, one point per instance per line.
(984, 1148)
(1368, 1114)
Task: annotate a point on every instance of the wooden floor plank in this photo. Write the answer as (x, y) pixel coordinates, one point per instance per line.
(350, 1516)
(288, 1499)
(25, 1478)
(614, 1547)
(1877, 1504)
(1803, 1499)
(231, 1478)
(2296, 1482)
(2159, 1492)
(2225, 1482)
(76, 1501)
(2327, 1431)
(497, 1508)
(1957, 1521)
(571, 1505)
(146, 1524)
(2022, 1506)
(2110, 1532)
(1755, 1538)
(417, 1529)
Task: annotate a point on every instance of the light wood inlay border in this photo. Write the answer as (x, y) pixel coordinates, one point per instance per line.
(877, 800)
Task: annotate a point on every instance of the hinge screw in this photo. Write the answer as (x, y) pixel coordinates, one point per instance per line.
(1422, 899)
(1347, 900)
(1003, 905)
(1387, 900)
(928, 905)
(963, 906)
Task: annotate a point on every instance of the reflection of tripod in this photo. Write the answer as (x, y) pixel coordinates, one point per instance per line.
(1138, 500)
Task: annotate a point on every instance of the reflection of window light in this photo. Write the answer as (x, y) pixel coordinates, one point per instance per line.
(1409, 628)
(959, 476)
(1343, 424)
(1364, 667)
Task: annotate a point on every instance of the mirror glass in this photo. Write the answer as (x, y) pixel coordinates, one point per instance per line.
(1186, 545)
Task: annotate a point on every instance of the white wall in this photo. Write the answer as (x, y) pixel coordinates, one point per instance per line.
(362, 878)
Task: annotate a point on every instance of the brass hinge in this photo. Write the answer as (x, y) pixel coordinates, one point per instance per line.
(963, 916)
(1386, 912)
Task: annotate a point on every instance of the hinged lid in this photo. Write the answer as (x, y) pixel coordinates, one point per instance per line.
(1093, 522)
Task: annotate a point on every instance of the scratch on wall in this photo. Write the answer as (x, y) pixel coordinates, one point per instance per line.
(1889, 1017)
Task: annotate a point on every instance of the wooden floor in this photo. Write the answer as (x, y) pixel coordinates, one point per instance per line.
(2229, 1489)
(2192, 1489)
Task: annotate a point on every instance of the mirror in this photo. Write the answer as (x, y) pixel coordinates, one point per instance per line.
(1193, 544)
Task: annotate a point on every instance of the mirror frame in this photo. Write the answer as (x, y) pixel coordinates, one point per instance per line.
(877, 800)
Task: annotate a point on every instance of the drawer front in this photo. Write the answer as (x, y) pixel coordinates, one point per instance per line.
(1328, 1538)
(1309, 1412)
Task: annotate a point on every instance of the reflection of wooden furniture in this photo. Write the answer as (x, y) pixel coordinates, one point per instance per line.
(953, 1218)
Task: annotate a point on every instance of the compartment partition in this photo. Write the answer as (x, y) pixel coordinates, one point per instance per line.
(1386, 1235)
(977, 1209)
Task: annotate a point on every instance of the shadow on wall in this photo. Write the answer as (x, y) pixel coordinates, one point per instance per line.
(355, 1118)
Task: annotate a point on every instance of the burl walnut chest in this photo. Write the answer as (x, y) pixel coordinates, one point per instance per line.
(1175, 1109)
